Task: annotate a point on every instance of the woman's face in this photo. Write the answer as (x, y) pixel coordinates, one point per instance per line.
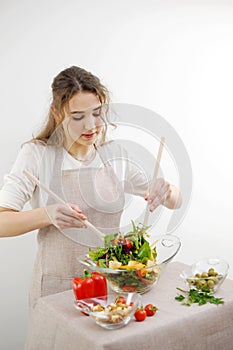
(83, 120)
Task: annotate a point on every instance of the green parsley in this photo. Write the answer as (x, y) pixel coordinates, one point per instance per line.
(199, 297)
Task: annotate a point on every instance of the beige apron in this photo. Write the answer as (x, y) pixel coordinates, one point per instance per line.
(99, 194)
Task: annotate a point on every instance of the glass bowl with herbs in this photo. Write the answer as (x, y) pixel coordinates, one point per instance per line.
(129, 261)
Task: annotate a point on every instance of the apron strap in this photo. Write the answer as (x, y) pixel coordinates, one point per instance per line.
(103, 156)
(56, 176)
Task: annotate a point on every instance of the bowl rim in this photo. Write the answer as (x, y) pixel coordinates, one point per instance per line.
(109, 270)
(220, 277)
(176, 241)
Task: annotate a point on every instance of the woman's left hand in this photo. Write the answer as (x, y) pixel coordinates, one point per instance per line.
(163, 193)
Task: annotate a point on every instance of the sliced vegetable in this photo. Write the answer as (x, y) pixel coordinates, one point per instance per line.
(128, 289)
(146, 278)
(120, 300)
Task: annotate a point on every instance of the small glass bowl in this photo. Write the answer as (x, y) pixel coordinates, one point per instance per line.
(138, 280)
(113, 316)
(208, 273)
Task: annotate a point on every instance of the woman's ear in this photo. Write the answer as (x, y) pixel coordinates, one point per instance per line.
(55, 114)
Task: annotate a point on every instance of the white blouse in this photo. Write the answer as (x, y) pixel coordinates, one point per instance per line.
(39, 159)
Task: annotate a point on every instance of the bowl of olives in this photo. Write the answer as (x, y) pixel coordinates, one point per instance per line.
(206, 274)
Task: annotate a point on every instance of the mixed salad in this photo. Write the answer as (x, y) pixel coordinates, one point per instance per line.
(132, 258)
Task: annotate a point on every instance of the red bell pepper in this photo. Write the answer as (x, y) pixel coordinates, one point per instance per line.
(90, 285)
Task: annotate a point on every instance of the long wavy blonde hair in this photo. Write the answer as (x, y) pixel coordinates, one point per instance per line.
(64, 86)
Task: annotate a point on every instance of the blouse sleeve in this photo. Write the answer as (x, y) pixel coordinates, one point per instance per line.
(136, 179)
(17, 188)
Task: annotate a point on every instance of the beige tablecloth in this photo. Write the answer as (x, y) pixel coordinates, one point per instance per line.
(57, 325)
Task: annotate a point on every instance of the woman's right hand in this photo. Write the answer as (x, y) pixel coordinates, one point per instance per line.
(63, 217)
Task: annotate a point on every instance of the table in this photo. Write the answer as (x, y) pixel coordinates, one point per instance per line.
(57, 325)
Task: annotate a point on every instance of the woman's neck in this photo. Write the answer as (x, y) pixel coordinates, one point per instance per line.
(80, 153)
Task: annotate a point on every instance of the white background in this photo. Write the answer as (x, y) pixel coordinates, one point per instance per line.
(173, 57)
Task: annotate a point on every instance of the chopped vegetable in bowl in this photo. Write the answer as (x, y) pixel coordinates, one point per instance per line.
(125, 250)
(129, 261)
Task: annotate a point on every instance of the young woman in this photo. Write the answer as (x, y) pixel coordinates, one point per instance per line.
(72, 158)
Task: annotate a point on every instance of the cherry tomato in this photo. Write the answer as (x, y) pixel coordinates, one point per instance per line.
(150, 309)
(140, 314)
(120, 300)
(128, 244)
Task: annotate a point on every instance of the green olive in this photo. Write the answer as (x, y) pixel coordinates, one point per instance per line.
(198, 285)
(211, 272)
(201, 284)
(210, 284)
(191, 281)
(204, 275)
(204, 284)
(215, 280)
(198, 275)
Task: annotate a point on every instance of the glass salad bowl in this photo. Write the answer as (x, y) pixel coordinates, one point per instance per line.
(110, 311)
(208, 273)
(136, 276)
